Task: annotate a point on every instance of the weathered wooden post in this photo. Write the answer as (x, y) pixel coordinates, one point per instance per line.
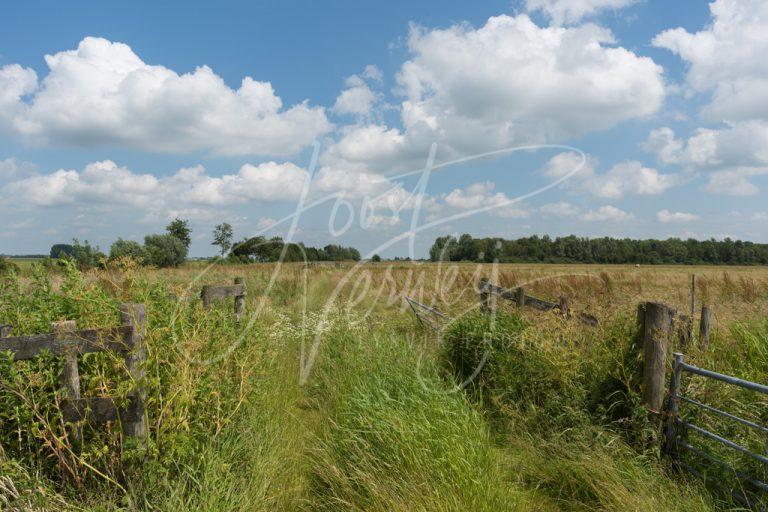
(520, 294)
(657, 327)
(485, 296)
(240, 299)
(205, 294)
(673, 409)
(684, 328)
(564, 307)
(135, 423)
(5, 330)
(704, 327)
(70, 376)
(693, 307)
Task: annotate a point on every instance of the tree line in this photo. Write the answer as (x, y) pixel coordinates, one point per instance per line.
(170, 249)
(573, 249)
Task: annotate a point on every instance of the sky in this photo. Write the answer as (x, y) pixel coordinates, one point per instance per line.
(382, 125)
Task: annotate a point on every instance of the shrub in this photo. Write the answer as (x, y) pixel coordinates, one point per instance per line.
(165, 250)
(128, 248)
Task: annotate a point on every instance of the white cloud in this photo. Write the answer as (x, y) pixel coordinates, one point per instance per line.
(107, 183)
(606, 213)
(668, 216)
(560, 209)
(629, 177)
(12, 168)
(481, 195)
(744, 143)
(727, 58)
(513, 81)
(735, 182)
(570, 11)
(358, 99)
(506, 83)
(102, 93)
(372, 72)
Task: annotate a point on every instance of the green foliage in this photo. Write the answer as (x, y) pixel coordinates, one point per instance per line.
(128, 248)
(222, 236)
(572, 249)
(375, 258)
(180, 229)
(61, 250)
(165, 250)
(85, 255)
(6, 265)
(261, 250)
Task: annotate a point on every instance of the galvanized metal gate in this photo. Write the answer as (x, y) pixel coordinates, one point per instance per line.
(750, 490)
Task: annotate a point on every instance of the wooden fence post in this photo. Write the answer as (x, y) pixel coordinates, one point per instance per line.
(684, 328)
(206, 296)
(704, 327)
(5, 330)
(520, 291)
(658, 320)
(135, 425)
(673, 409)
(564, 307)
(240, 299)
(485, 296)
(70, 376)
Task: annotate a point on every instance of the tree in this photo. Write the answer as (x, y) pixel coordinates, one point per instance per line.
(181, 230)
(60, 250)
(128, 249)
(375, 258)
(165, 250)
(222, 236)
(86, 255)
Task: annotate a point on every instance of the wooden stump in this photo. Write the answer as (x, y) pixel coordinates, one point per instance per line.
(564, 307)
(520, 293)
(485, 296)
(206, 296)
(5, 330)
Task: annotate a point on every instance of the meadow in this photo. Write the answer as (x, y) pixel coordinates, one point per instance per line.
(331, 395)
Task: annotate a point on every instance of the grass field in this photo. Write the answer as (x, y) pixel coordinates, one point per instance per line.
(332, 396)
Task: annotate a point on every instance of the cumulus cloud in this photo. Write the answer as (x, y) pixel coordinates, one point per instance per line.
(506, 83)
(357, 99)
(735, 181)
(624, 178)
(668, 216)
(727, 58)
(606, 213)
(481, 195)
(559, 209)
(107, 183)
(102, 93)
(571, 11)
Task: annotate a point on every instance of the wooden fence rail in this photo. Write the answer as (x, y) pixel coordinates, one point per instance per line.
(129, 339)
(522, 299)
(209, 293)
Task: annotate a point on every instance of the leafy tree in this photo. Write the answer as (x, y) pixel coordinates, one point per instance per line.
(85, 255)
(375, 258)
(181, 230)
(59, 250)
(222, 236)
(128, 248)
(165, 250)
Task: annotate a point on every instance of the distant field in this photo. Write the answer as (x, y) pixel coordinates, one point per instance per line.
(551, 422)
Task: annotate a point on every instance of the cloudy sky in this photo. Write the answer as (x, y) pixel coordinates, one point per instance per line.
(359, 122)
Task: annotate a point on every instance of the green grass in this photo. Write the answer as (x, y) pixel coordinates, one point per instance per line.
(551, 422)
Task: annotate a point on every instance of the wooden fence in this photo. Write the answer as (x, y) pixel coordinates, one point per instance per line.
(522, 299)
(209, 293)
(67, 342)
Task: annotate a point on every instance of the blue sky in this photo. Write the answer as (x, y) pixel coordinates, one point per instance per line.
(211, 111)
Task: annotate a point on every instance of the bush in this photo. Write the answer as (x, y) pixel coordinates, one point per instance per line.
(7, 265)
(165, 250)
(128, 248)
(85, 255)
